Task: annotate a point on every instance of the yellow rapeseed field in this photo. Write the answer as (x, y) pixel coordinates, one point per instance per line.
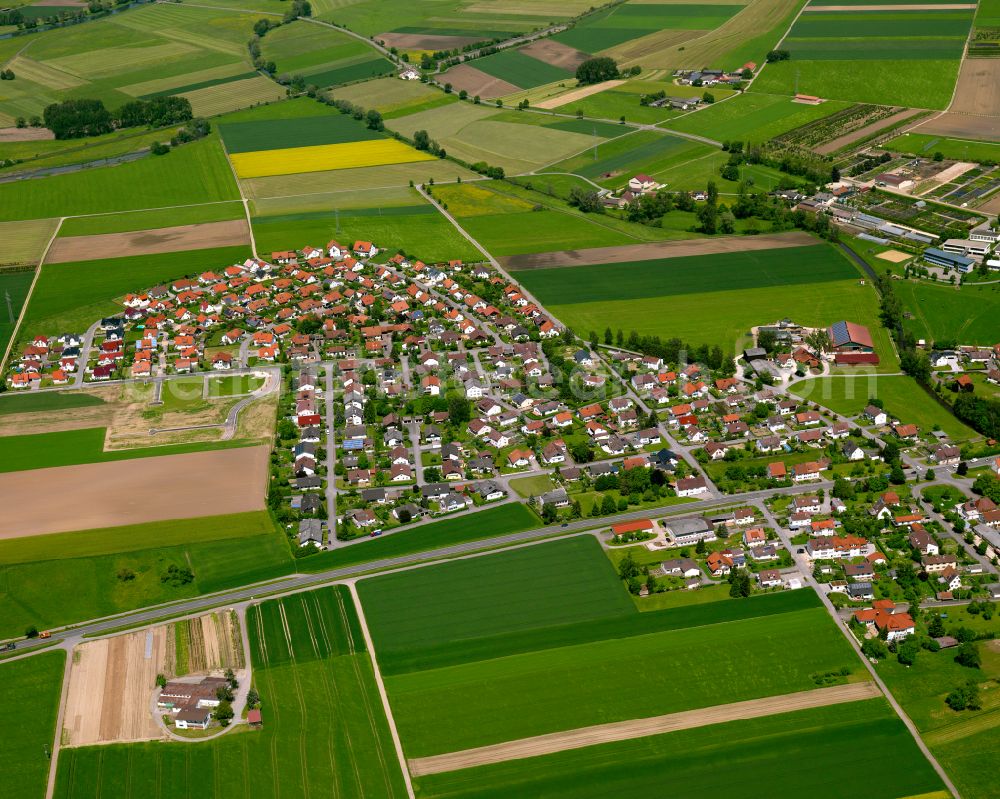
(323, 157)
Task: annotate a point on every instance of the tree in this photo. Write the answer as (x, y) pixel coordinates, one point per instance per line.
(404, 516)
(159, 148)
(608, 505)
(740, 584)
(939, 156)
(874, 648)
(421, 140)
(31, 632)
(965, 697)
(223, 713)
(968, 655)
(906, 652)
(75, 119)
(935, 627)
(253, 698)
(627, 567)
(161, 681)
(596, 70)
(373, 119)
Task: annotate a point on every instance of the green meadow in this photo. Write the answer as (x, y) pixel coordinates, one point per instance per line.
(939, 312)
(926, 145)
(30, 690)
(46, 401)
(131, 221)
(324, 729)
(15, 285)
(781, 755)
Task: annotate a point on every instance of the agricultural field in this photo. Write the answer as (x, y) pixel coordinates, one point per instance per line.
(16, 285)
(134, 221)
(324, 730)
(322, 55)
(670, 297)
(64, 578)
(148, 51)
(902, 396)
(926, 145)
(562, 647)
(31, 691)
(773, 754)
(942, 313)
(325, 157)
(752, 117)
(192, 174)
(392, 97)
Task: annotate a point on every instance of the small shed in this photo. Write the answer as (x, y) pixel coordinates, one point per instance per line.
(254, 719)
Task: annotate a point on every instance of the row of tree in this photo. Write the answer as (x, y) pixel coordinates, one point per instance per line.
(74, 119)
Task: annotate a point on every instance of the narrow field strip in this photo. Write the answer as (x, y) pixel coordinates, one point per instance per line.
(639, 728)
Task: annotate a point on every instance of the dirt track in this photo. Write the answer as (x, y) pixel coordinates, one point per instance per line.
(135, 491)
(477, 83)
(842, 141)
(111, 683)
(638, 728)
(555, 53)
(655, 250)
(149, 242)
(578, 94)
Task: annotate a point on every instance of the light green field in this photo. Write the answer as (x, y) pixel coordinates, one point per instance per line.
(941, 313)
(43, 153)
(752, 117)
(391, 197)
(227, 97)
(30, 691)
(194, 173)
(926, 145)
(16, 286)
(24, 242)
(392, 95)
(150, 220)
(913, 83)
(903, 398)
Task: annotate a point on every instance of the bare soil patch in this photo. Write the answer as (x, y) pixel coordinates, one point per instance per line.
(578, 94)
(556, 53)
(656, 249)
(420, 41)
(638, 728)
(962, 126)
(111, 686)
(148, 242)
(135, 491)
(476, 82)
(978, 91)
(26, 134)
(842, 141)
(894, 256)
(991, 206)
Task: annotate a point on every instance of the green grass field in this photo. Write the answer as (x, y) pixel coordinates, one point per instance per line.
(625, 22)
(512, 518)
(772, 756)
(46, 401)
(752, 117)
(712, 298)
(324, 729)
(904, 82)
(193, 173)
(643, 151)
(273, 134)
(392, 97)
(926, 145)
(902, 396)
(65, 578)
(540, 586)
(25, 241)
(15, 285)
(150, 220)
(941, 313)
(72, 296)
(30, 691)
(520, 69)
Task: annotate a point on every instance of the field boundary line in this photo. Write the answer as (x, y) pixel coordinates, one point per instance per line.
(27, 297)
(639, 728)
(50, 784)
(352, 587)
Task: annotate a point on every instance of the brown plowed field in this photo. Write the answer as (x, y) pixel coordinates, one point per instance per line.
(656, 249)
(962, 126)
(849, 138)
(476, 82)
(135, 491)
(419, 41)
(111, 684)
(638, 728)
(149, 242)
(978, 89)
(26, 134)
(555, 53)
(578, 94)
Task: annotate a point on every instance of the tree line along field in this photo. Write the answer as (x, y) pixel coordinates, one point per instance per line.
(324, 730)
(527, 685)
(902, 396)
(63, 578)
(782, 755)
(712, 299)
(30, 690)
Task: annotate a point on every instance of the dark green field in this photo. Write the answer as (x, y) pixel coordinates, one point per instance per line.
(625, 21)
(324, 732)
(48, 401)
(787, 755)
(29, 690)
(351, 72)
(511, 518)
(63, 578)
(522, 70)
(275, 134)
(72, 296)
(492, 595)
(16, 285)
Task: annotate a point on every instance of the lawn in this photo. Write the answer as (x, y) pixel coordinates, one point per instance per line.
(903, 398)
(752, 117)
(532, 486)
(499, 521)
(545, 585)
(902, 82)
(150, 220)
(233, 385)
(534, 693)
(30, 693)
(191, 174)
(927, 146)
(324, 730)
(66, 578)
(771, 756)
(669, 297)
(72, 296)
